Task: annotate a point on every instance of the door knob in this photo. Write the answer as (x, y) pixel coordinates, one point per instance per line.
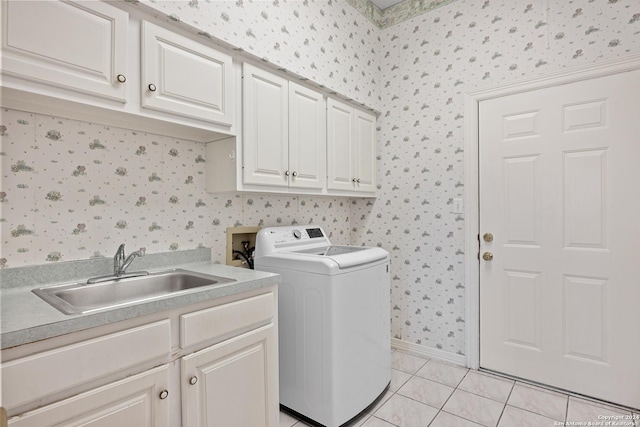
(152, 87)
(193, 380)
(488, 237)
(487, 256)
(294, 174)
(287, 173)
(164, 394)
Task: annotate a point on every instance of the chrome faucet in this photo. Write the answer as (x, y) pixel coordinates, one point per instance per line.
(120, 264)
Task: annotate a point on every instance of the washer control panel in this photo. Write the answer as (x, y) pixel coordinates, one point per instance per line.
(315, 232)
(294, 235)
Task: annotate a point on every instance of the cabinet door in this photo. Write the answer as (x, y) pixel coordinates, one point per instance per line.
(340, 146)
(365, 151)
(74, 45)
(132, 402)
(265, 135)
(184, 77)
(233, 383)
(307, 138)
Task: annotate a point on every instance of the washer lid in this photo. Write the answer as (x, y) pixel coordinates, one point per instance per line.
(315, 260)
(347, 256)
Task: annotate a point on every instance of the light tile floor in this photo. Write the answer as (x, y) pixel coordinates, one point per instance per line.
(429, 393)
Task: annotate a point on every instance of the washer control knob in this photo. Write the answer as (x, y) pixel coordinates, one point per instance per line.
(297, 234)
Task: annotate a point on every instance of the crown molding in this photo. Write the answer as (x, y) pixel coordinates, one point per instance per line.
(397, 13)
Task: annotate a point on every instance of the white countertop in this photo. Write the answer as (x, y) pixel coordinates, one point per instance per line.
(26, 318)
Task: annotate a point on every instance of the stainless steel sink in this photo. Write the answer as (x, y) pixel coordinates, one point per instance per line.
(82, 298)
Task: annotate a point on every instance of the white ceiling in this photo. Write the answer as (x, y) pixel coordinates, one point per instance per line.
(383, 4)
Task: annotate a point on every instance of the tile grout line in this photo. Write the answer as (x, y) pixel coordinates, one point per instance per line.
(505, 403)
(449, 398)
(427, 361)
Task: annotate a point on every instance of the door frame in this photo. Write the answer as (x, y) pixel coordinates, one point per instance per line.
(472, 101)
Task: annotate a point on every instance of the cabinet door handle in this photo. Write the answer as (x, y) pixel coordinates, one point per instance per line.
(287, 173)
(193, 380)
(152, 87)
(353, 180)
(294, 174)
(358, 180)
(163, 394)
(121, 78)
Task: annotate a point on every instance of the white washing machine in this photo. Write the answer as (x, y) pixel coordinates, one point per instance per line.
(334, 322)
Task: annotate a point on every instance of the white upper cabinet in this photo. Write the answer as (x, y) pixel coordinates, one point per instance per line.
(294, 140)
(365, 151)
(182, 76)
(93, 61)
(284, 139)
(307, 138)
(265, 130)
(80, 46)
(351, 149)
(340, 145)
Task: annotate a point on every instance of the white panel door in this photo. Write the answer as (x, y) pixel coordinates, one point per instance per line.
(184, 77)
(365, 151)
(75, 45)
(307, 138)
(340, 146)
(228, 384)
(559, 174)
(265, 138)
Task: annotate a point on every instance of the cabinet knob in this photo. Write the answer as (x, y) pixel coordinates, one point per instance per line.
(487, 237)
(164, 394)
(152, 87)
(358, 180)
(193, 380)
(294, 174)
(287, 173)
(121, 78)
(353, 180)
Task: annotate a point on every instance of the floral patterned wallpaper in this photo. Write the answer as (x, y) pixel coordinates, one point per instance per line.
(75, 190)
(326, 41)
(428, 63)
(415, 73)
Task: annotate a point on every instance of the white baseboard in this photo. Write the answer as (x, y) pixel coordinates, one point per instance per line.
(434, 353)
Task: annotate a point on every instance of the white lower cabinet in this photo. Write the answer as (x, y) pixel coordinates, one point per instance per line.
(214, 382)
(211, 364)
(137, 401)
